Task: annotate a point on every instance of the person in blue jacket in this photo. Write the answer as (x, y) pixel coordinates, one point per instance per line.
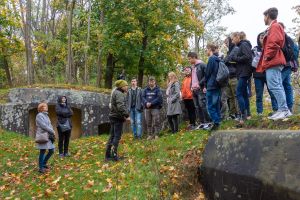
(152, 101)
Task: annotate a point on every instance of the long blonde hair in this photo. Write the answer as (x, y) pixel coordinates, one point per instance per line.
(173, 76)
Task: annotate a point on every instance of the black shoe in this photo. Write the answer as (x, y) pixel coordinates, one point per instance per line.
(42, 171)
(67, 155)
(108, 154)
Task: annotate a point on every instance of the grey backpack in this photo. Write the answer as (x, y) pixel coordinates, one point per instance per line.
(222, 75)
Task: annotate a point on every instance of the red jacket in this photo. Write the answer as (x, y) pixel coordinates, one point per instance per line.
(186, 88)
(272, 54)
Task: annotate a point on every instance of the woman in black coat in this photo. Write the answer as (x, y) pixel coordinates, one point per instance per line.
(64, 126)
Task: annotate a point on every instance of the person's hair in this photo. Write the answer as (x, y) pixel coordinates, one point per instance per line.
(282, 24)
(173, 75)
(235, 34)
(134, 78)
(41, 107)
(272, 13)
(243, 35)
(192, 55)
(151, 78)
(212, 47)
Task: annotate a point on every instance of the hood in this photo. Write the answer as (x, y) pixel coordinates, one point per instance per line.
(215, 57)
(60, 98)
(247, 42)
(259, 45)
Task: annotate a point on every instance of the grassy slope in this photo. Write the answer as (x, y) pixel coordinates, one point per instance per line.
(150, 170)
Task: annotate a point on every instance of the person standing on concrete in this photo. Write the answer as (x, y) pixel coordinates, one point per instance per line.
(64, 125)
(117, 116)
(45, 137)
(198, 86)
(273, 61)
(152, 101)
(187, 97)
(173, 102)
(135, 108)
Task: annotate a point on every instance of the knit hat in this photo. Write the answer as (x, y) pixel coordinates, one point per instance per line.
(121, 83)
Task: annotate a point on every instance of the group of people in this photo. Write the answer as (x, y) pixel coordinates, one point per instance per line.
(45, 134)
(270, 63)
(204, 96)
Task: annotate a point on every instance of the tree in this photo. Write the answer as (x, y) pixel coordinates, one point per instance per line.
(147, 36)
(212, 13)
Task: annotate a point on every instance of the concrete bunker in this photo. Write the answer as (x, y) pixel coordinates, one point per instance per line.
(76, 121)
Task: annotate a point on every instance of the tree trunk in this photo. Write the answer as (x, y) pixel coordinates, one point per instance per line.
(109, 71)
(70, 56)
(30, 71)
(7, 71)
(87, 47)
(142, 61)
(99, 59)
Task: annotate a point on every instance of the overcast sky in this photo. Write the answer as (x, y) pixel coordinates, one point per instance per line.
(249, 16)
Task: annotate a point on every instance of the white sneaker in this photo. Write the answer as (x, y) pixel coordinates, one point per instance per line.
(282, 115)
(274, 115)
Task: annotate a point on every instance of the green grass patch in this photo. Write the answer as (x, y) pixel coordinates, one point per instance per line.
(151, 169)
(3, 95)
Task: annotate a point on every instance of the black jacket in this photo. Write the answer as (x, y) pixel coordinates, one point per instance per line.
(63, 111)
(138, 100)
(233, 51)
(200, 71)
(243, 59)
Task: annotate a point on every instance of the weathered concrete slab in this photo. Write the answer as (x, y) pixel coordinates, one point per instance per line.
(252, 165)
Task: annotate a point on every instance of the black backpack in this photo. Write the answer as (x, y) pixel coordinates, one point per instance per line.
(222, 75)
(288, 49)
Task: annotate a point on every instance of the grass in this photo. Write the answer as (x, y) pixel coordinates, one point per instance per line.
(151, 170)
(3, 95)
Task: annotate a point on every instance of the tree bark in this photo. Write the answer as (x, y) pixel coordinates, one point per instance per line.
(86, 71)
(99, 59)
(142, 61)
(7, 71)
(69, 68)
(109, 71)
(30, 71)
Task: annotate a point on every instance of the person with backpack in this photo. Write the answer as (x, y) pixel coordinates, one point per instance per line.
(243, 60)
(234, 112)
(288, 51)
(272, 61)
(152, 102)
(212, 88)
(135, 108)
(187, 97)
(173, 102)
(197, 87)
(260, 78)
(118, 115)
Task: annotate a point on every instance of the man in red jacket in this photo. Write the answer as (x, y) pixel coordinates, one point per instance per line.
(273, 61)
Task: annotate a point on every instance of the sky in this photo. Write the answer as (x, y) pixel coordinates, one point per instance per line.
(249, 16)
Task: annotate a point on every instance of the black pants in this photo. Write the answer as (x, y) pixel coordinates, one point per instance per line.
(173, 122)
(63, 141)
(116, 128)
(190, 107)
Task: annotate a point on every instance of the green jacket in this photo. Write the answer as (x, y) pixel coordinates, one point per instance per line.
(118, 108)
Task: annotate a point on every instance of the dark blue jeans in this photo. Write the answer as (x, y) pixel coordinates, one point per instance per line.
(259, 89)
(288, 89)
(213, 98)
(44, 159)
(242, 94)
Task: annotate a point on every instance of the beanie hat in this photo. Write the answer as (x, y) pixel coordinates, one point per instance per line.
(121, 83)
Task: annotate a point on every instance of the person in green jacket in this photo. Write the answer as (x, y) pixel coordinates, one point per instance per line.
(118, 115)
